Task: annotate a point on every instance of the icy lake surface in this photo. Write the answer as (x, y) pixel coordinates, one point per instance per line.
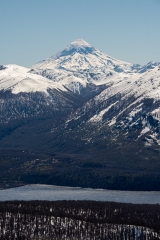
(53, 193)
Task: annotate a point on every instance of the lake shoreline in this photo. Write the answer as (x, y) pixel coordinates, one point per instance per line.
(54, 193)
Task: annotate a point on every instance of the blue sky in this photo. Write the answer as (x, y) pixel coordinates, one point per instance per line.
(32, 30)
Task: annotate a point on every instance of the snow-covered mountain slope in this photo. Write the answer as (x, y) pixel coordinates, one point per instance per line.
(24, 95)
(130, 105)
(18, 79)
(79, 64)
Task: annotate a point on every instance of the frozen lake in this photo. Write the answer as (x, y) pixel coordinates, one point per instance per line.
(53, 193)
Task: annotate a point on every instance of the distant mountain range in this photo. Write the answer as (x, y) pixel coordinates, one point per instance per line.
(82, 101)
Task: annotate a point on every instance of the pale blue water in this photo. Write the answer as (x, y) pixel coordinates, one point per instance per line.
(52, 193)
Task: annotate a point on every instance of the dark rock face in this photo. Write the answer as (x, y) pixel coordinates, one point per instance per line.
(2, 67)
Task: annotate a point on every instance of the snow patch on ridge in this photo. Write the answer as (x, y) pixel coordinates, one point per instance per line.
(156, 114)
(112, 122)
(99, 117)
(135, 111)
(145, 130)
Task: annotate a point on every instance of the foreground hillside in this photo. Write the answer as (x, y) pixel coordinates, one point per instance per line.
(78, 220)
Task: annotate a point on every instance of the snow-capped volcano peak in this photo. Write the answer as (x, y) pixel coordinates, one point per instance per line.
(80, 55)
(78, 46)
(80, 64)
(80, 43)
